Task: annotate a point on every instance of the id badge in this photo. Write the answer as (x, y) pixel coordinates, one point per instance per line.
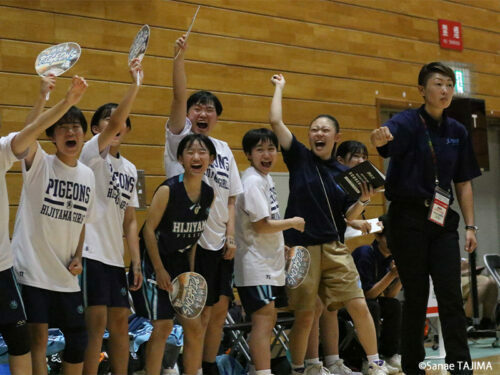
(439, 206)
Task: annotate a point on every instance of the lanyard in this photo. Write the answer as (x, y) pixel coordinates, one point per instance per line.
(433, 153)
(328, 201)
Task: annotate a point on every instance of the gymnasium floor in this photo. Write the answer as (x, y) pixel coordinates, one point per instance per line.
(486, 358)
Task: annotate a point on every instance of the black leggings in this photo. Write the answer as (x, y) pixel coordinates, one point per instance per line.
(16, 337)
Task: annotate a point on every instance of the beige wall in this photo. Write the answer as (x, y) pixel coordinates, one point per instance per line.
(338, 57)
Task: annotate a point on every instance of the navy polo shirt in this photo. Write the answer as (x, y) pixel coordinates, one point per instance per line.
(371, 265)
(411, 170)
(307, 198)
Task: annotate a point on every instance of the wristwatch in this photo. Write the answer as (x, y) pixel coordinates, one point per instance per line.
(472, 227)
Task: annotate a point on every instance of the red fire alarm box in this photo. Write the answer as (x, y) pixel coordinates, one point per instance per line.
(450, 34)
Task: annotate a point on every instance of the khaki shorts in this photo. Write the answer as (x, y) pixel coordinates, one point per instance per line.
(481, 280)
(332, 275)
(465, 287)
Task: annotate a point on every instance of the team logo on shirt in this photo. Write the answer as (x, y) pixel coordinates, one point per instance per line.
(275, 209)
(123, 291)
(66, 200)
(219, 171)
(13, 304)
(121, 188)
(79, 309)
(190, 229)
(452, 141)
(196, 208)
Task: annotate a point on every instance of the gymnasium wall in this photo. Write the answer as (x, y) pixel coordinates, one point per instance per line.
(347, 58)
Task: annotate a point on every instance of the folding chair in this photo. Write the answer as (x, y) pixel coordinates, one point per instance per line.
(237, 331)
(284, 322)
(492, 262)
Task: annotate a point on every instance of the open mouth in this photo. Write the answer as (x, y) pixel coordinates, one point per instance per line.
(196, 167)
(319, 144)
(202, 125)
(71, 143)
(266, 164)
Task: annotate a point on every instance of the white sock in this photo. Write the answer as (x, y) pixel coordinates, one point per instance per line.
(295, 367)
(312, 361)
(199, 372)
(331, 359)
(263, 372)
(372, 358)
(251, 370)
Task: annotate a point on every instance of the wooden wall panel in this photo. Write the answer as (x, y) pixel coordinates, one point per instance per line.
(18, 57)
(245, 16)
(483, 4)
(352, 17)
(469, 14)
(366, 45)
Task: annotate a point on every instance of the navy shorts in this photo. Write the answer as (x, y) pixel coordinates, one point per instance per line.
(150, 301)
(59, 309)
(103, 284)
(256, 297)
(11, 303)
(217, 271)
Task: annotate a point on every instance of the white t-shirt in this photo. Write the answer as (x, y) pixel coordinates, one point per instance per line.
(56, 201)
(260, 259)
(222, 175)
(116, 180)
(7, 158)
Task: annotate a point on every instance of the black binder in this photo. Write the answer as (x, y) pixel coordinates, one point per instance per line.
(350, 180)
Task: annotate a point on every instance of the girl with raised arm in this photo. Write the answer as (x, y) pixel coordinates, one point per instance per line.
(104, 281)
(316, 197)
